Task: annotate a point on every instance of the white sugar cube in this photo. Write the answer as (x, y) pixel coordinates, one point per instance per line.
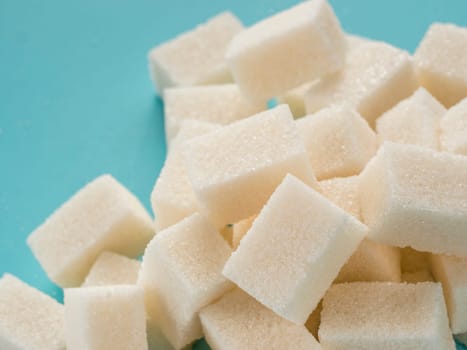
(441, 64)
(110, 317)
(111, 269)
(385, 315)
(343, 192)
(414, 120)
(237, 321)
(102, 216)
(339, 142)
(181, 273)
(413, 196)
(454, 129)
(452, 273)
(191, 128)
(286, 50)
(29, 319)
(294, 250)
(240, 229)
(234, 170)
(195, 57)
(376, 76)
(220, 104)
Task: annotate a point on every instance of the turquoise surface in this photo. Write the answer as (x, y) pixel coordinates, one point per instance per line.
(76, 100)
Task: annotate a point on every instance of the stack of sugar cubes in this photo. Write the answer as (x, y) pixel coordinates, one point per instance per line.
(335, 220)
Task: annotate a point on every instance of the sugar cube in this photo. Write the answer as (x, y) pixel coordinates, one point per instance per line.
(413, 196)
(240, 229)
(294, 250)
(190, 128)
(102, 216)
(181, 273)
(29, 319)
(454, 129)
(286, 50)
(237, 321)
(195, 57)
(376, 76)
(452, 273)
(235, 169)
(385, 315)
(414, 120)
(441, 64)
(105, 317)
(339, 142)
(220, 104)
(111, 269)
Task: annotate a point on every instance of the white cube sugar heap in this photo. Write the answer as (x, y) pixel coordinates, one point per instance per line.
(172, 197)
(452, 273)
(181, 273)
(385, 316)
(237, 321)
(286, 50)
(195, 57)
(234, 170)
(29, 319)
(102, 216)
(376, 76)
(413, 196)
(414, 120)
(339, 142)
(240, 229)
(441, 64)
(111, 269)
(294, 250)
(220, 104)
(454, 129)
(105, 317)
(372, 261)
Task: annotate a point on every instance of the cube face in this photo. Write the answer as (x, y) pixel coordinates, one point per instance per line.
(319, 238)
(220, 104)
(237, 321)
(343, 192)
(181, 273)
(378, 315)
(102, 216)
(414, 120)
(286, 50)
(205, 47)
(111, 317)
(29, 319)
(112, 269)
(191, 128)
(440, 61)
(409, 189)
(376, 76)
(338, 141)
(452, 273)
(453, 136)
(234, 170)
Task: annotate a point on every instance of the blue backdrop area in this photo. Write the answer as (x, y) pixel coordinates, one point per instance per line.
(76, 100)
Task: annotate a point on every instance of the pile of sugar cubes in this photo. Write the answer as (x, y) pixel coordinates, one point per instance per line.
(335, 220)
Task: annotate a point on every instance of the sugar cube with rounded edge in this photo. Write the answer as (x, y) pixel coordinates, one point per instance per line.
(238, 321)
(413, 196)
(441, 64)
(339, 142)
(235, 169)
(414, 120)
(386, 316)
(195, 57)
(105, 317)
(376, 76)
(29, 319)
(294, 250)
(102, 216)
(286, 50)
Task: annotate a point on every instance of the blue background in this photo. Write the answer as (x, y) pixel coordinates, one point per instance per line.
(76, 100)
